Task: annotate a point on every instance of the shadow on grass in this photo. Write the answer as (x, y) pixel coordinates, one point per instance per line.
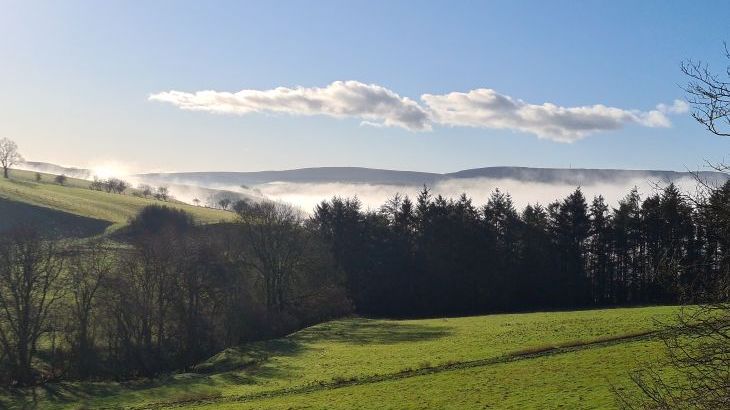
(246, 364)
(371, 331)
(50, 222)
(250, 363)
(249, 355)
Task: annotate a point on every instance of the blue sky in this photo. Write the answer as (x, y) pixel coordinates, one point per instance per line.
(76, 77)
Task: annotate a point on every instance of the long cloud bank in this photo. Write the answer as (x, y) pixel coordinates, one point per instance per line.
(379, 106)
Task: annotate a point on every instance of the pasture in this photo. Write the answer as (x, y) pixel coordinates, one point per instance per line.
(532, 360)
(75, 198)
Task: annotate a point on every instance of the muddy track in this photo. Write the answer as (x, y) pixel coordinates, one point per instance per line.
(404, 374)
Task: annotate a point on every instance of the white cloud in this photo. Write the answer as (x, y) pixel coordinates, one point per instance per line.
(486, 108)
(677, 107)
(378, 106)
(369, 102)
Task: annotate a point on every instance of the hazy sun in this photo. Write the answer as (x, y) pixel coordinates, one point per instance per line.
(109, 170)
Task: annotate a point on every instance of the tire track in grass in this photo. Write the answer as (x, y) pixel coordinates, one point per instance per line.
(525, 354)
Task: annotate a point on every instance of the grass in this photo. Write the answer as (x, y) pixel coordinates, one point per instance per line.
(579, 380)
(76, 198)
(535, 360)
(56, 224)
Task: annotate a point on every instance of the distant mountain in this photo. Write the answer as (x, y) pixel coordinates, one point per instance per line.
(357, 175)
(581, 176)
(189, 185)
(305, 175)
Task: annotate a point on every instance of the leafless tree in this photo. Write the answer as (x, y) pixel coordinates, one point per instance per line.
(696, 371)
(145, 189)
(274, 233)
(89, 265)
(162, 194)
(116, 185)
(224, 203)
(709, 95)
(60, 179)
(30, 287)
(138, 300)
(9, 155)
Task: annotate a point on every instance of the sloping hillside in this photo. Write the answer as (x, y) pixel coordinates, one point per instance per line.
(75, 198)
(56, 224)
(535, 360)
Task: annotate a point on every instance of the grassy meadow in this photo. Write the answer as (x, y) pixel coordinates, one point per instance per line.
(76, 198)
(534, 360)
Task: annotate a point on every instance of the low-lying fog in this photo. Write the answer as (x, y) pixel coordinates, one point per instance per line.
(307, 195)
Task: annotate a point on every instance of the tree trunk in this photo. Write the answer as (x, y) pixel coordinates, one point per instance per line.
(23, 370)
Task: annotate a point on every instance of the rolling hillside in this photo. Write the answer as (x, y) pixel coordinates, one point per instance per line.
(22, 195)
(535, 360)
(357, 175)
(360, 175)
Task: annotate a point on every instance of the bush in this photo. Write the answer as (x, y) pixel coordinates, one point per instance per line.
(155, 218)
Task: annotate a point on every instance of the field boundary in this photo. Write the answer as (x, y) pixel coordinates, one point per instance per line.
(524, 354)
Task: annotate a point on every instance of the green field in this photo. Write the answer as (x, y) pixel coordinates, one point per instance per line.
(76, 198)
(536, 360)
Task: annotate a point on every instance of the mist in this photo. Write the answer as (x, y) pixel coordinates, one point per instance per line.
(308, 195)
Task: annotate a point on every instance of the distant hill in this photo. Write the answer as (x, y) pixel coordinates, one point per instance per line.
(304, 175)
(581, 176)
(361, 175)
(380, 176)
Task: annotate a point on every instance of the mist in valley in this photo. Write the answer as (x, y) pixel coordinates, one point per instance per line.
(307, 195)
(526, 186)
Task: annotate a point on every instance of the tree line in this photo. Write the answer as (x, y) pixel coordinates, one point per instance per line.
(434, 256)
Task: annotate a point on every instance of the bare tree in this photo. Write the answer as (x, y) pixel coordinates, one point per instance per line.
(162, 194)
(117, 185)
(145, 189)
(698, 345)
(224, 203)
(29, 288)
(274, 233)
(696, 371)
(89, 266)
(709, 96)
(60, 179)
(9, 155)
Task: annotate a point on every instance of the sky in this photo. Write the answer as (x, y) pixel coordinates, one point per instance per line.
(427, 86)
